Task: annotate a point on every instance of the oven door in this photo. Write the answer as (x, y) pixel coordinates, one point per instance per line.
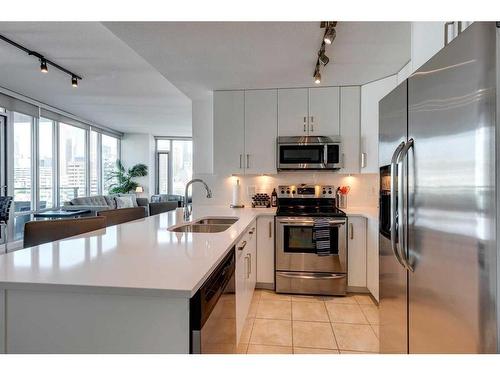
(298, 156)
(296, 251)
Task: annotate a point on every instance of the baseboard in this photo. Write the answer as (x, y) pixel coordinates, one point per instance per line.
(269, 286)
(357, 289)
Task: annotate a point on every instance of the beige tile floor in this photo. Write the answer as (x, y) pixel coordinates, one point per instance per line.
(286, 324)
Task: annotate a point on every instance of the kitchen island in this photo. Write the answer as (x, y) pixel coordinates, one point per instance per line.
(123, 289)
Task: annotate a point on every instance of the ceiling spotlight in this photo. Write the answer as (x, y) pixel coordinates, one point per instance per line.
(323, 58)
(74, 81)
(317, 75)
(329, 35)
(43, 66)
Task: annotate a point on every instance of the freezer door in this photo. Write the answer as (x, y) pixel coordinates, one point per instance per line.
(393, 276)
(451, 193)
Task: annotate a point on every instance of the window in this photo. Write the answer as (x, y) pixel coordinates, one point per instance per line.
(72, 167)
(23, 127)
(45, 163)
(174, 163)
(182, 165)
(94, 163)
(109, 158)
(163, 167)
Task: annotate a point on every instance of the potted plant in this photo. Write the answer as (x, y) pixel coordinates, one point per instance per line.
(123, 177)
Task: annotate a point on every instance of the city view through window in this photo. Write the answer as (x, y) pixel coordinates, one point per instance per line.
(56, 156)
(72, 173)
(174, 165)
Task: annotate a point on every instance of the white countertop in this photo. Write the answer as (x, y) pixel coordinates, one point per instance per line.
(141, 256)
(368, 212)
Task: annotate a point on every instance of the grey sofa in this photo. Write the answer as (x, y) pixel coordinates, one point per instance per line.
(98, 203)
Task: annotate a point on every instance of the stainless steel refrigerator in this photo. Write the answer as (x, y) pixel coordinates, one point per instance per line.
(438, 144)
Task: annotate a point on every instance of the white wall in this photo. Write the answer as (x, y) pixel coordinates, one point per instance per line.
(140, 148)
(203, 133)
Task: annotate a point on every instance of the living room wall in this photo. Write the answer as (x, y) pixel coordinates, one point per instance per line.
(140, 148)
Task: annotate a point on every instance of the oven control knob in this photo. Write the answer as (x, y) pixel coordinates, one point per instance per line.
(293, 191)
(329, 191)
(282, 191)
(324, 191)
(288, 191)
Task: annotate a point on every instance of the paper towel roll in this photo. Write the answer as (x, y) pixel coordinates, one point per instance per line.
(236, 194)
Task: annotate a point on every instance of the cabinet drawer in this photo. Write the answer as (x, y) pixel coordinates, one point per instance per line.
(303, 283)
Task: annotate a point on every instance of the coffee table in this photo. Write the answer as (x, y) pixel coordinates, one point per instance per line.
(60, 214)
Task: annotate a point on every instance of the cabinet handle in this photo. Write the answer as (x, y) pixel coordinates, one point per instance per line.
(312, 123)
(241, 156)
(249, 264)
(251, 230)
(343, 160)
(248, 161)
(243, 244)
(351, 231)
(270, 230)
(247, 260)
(363, 160)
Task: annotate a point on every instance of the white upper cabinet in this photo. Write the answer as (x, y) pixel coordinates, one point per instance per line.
(371, 94)
(261, 130)
(324, 111)
(313, 111)
(229, 148)
(350, 127)
(292, 112)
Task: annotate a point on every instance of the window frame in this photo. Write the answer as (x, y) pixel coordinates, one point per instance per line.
(170, 161)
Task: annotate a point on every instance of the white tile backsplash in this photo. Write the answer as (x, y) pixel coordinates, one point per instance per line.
(364, 187)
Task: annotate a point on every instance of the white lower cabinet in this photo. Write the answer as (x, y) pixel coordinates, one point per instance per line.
(265, 251)
(356, 251)
(245, 276)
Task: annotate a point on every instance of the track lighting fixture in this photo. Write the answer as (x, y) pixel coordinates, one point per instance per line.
(317, 75)
(328, 38)
(44, 62)
(323, 58)
(330, 35)
(43, 66)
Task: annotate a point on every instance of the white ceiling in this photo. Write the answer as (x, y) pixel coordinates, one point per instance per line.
(201, 56)
(119, 90)
(140, 76)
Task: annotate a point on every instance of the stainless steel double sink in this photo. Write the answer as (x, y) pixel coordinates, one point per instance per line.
(207, 225)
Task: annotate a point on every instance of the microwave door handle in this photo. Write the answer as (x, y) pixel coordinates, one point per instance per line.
(403, 205)
(393, 203)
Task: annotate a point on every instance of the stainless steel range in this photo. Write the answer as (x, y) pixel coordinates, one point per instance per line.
(300, 267)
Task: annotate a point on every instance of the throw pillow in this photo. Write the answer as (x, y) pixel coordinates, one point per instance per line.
(133, 197)
(124, 202)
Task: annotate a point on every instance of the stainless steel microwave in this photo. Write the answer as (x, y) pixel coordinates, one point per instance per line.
(316, 153)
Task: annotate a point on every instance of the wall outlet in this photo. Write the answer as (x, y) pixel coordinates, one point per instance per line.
(251, 190)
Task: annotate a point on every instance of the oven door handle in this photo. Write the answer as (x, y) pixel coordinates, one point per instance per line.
(295, 275)
(310, 223)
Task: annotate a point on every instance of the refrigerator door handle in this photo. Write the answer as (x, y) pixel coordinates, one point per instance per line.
(403, 205)
(393, 203)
